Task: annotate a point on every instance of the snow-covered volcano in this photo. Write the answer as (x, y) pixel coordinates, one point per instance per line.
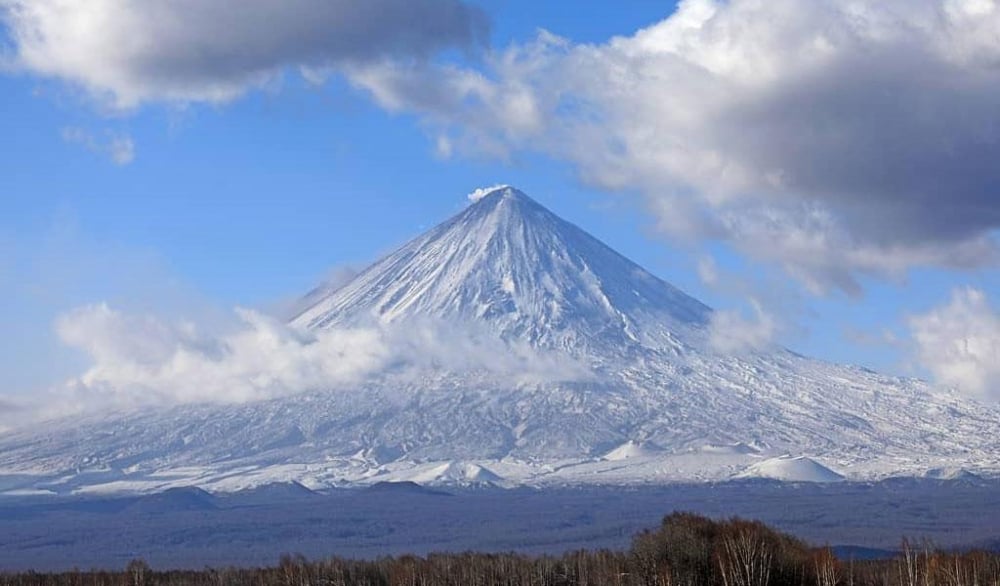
(645, 401)
(514, 267)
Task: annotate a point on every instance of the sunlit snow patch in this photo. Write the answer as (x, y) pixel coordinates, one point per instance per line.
(788, 469)
(24, 492)
(630, 450)
(457, 473)
(729, 449)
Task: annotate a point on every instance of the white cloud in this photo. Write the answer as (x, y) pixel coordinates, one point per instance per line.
(959, 343)
(733, 332)
(837, 138)
(118, 148)
(708, 271)
(140, 360)
(129, 52)
(122, 150)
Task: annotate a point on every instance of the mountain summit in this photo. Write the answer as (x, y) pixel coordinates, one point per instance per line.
(508, 263)
(656, 404)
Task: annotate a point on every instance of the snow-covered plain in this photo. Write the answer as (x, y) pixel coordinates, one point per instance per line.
(587, 369)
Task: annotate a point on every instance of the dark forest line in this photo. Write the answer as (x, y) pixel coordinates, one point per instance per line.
(685, 550)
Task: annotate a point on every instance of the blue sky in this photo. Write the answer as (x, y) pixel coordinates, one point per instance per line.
(155, 191)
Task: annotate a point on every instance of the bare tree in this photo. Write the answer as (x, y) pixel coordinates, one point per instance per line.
(745, 556)
(826, 567)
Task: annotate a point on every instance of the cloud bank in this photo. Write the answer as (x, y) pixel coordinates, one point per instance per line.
(837, 138)
(129, 52)
(139, 360)
(150, 360)
(959, 343)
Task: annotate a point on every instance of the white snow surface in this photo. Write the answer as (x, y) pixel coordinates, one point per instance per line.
(460, 473)
(630, 450)
(789, 469)
(656, 404)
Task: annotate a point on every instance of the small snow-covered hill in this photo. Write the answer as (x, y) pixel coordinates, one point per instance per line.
(642, 400)
(800, 469)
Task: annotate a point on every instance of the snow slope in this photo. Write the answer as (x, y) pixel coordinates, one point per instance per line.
(508, 264)
(646, 402)
(800, 469)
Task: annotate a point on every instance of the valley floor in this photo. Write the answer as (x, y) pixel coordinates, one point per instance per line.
(189, 528)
